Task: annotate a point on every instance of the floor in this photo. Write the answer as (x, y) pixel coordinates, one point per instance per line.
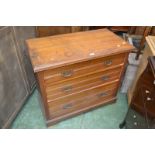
(106, 117)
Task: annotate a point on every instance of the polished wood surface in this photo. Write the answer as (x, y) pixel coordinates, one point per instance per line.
(145, 91)
(84, 92)
(85, 68)
(79, 84)
(148, 51)
(95, 95)
(55, 51)
(141, 113)
(89, 107)
(79, 71)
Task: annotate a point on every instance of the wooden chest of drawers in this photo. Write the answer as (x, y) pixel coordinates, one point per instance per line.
(149, 50)
(77, 72)
(144, 95)
(141, 113)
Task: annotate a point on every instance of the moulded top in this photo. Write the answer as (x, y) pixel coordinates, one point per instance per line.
(60, 50)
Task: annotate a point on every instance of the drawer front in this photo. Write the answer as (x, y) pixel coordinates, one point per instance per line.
(144, 99)
(81, 103)
(147, 93)
(149, 99)
(79, 84)
(82, 94)
(84, 68)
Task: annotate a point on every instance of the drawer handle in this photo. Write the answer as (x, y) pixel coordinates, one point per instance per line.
(67, 73)
(147, 91)
(103, 94)
(149, 99)
(105, 78)
(108, 62)
(67, 88)
(67, 106)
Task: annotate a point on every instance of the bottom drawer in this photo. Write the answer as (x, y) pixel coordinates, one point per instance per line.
(80, 103)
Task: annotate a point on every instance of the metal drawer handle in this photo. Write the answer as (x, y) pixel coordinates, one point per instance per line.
(108, 62)
(149, 99)
(67, 73)
(105, 78)
(103, 94)
(147, 91)
(67, 106)
(67, 88)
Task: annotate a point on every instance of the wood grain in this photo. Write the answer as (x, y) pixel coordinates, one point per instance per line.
(85, 68)
(76, 85)
(56, 51)
(144, 95)
(82, 103)
(148, 51)
(78, 72)
(55, 101)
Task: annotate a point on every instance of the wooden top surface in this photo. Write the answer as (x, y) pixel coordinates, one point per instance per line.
(60, 50)
(151, 42)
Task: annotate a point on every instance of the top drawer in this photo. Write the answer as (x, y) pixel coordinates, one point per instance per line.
(83, 68)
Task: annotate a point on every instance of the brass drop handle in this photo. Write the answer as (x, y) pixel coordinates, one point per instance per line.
(108, 62)
(67, 106)
(67, 88)
(67, 73)
(149, 99)
(105, 78)
(103, 94)
(147, 91)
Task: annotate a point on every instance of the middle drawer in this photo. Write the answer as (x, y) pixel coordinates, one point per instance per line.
(76, 96)
(82, 83)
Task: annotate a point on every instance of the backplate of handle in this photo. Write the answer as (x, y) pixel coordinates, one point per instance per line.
(105, 78)
(67, 73)
(67, 88)
(103, 94)
(68, 106)
(108, 62)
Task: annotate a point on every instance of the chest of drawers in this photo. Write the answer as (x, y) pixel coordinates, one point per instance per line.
(149, 50)
(77, 72)
(141, 113)
(144, 96)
